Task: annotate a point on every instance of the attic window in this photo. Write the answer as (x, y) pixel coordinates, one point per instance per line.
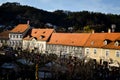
(92, 42)
(41, 37)
(35, 32)
(105, 42)
(56, 41)
(116, 43)
(44, 32)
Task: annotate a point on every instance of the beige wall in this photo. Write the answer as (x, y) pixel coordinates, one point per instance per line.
(112, 54)
(95, 53)
(102, 54)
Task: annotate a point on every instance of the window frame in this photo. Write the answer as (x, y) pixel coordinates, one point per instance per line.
(117, 53)
(107, 52)
(95, 51)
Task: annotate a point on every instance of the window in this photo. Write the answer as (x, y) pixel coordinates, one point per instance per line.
(20, 36)
(95, 51)
(117, 53)
(105, 42)
(92, 42)
(13, 36)
(107, 52)
(87, 51)
(116, 43)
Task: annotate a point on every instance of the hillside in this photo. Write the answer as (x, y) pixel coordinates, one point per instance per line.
(12, 14)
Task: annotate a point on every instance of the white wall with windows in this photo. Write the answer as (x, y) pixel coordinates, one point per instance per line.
(65, 50)
(39, 46)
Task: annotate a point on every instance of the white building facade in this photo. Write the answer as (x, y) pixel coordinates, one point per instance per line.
(16, 35)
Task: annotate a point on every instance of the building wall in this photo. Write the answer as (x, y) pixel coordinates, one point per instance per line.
(104, 54)
(65, 50)
(16, 39)
(37, 46)
(112, 54)
(4, 42)
(94, 53)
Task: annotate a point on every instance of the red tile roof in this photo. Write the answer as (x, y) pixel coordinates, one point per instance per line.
(113, 37)
(111, 46)
(96, 40)
(39, 34)
(20, 28)
(73, 39)
(4, 34)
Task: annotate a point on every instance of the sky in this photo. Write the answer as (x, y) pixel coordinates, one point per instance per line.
(103, 6)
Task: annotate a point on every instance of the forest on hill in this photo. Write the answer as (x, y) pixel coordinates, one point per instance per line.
(14, 13)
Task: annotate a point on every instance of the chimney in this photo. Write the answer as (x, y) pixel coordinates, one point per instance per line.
(28, 22)
(113, 26)
(109, 30)
(93, 31)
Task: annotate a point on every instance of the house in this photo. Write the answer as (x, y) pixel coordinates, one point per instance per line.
(36, 40)
(93, 46)
(4, 38)
(103, 46)
(111, 50)
(17, 34)
(67, 44)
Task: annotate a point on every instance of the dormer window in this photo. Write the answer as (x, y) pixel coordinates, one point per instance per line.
(92, 42)
(56, 40)
(116, 43)
(72, 41)
(41, 37)
(105, 42)
(35, 32)
(44, 32)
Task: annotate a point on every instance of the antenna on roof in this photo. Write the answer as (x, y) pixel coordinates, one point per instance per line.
(28, 22)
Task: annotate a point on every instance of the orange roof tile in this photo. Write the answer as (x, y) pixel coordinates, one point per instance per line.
(113, 37)
(73, 39)
(20, 28)
(111, 46)
(4, 34)
(39, 34)
(97, 39)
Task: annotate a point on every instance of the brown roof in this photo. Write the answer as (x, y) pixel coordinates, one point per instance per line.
(4, 34)
(97, 40)
(73, 39)
(39, 34)
(113, 37)
(111, 46)
(20, 28)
